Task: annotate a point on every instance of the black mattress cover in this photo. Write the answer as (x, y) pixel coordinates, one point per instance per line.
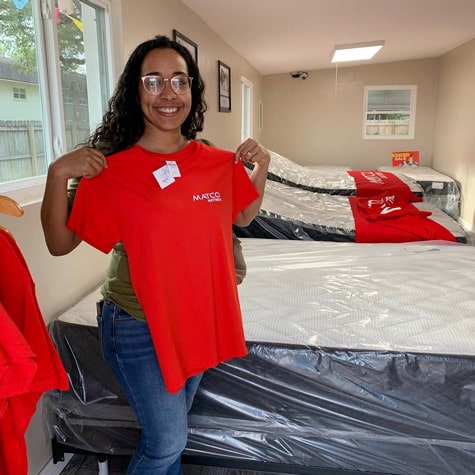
(289, 405)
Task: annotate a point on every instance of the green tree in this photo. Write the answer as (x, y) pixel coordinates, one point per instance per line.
(70, 41)
(17, 37)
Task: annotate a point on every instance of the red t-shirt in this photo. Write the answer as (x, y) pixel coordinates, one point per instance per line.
(179, 242)
(34, 356)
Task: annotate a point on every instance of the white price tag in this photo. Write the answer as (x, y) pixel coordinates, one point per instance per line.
(163, 176)
(174, 170)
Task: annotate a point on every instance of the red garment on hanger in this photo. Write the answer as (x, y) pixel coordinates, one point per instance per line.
(20, 309)
(17, 361)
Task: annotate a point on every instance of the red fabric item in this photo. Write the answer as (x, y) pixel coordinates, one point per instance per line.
(20, 308)
(405, 228)
(374, 183)
(179, 243)
(388, 207)
(17, 361)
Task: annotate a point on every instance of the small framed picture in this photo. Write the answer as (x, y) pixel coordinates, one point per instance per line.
(191, 46)
(224, 87)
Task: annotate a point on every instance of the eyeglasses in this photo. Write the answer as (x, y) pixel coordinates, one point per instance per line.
(154, 85)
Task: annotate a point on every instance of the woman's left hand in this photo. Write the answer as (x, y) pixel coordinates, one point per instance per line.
(251, 151)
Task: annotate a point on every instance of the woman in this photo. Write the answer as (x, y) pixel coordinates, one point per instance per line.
(166, 203)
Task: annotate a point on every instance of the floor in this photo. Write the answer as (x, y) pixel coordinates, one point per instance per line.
(87, 465)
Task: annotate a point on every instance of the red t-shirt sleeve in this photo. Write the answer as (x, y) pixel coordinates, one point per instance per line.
(244, 192)
(92, 217)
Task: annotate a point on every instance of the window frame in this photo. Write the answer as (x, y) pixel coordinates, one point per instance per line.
(412, 112)
(247, 92)
(30, 190)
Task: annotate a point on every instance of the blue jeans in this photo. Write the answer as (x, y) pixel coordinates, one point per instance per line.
(163, 417)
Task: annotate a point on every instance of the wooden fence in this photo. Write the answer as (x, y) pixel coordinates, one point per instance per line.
(22, 148)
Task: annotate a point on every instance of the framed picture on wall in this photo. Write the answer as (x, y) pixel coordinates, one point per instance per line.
(224, 87)
(191, 46)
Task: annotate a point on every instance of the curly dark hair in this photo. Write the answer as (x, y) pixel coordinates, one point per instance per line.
(123, 123)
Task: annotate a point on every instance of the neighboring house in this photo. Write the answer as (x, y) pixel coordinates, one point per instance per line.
(20, 97)
(22, 149)
(19, 93)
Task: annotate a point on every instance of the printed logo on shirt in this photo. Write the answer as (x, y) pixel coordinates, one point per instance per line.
(210, 197)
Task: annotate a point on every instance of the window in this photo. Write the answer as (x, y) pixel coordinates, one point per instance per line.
(389, 112)
(19, 94)
(246, 108)
(55, 57)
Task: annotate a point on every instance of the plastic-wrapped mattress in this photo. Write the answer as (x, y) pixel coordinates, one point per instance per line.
(328, 179)
(289, 212)
(361, 358)
(439, 189)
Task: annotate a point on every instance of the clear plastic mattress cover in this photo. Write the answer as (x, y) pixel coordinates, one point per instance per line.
(361, 357)
(437, 188)
(347, 295)
(395, 297)
(302, 214)
(323, 179)
(441, 190)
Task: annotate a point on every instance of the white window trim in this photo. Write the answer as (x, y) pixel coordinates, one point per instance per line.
(260, 115)
(246, 84)
(412, 122)
(31, 190)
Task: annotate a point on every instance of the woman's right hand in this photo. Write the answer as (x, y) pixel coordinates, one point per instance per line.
(84, 162)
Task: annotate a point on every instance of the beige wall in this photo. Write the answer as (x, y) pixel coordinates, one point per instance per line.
(319, 120)
(454, 136)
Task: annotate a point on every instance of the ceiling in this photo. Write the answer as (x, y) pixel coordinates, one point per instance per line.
(280, 36)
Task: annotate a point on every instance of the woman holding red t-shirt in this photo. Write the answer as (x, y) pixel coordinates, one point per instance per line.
(164, 203)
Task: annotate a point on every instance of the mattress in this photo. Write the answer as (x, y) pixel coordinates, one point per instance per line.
(441, 190)
(324, 179)
(289, 212)
(423, 291)
(361, 358)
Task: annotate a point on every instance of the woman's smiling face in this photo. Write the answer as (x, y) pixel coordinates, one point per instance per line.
(166, 111)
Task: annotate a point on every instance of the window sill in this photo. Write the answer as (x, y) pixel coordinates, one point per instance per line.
(25, 192)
